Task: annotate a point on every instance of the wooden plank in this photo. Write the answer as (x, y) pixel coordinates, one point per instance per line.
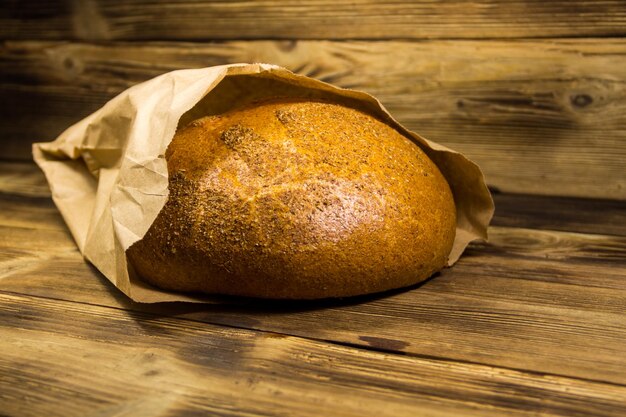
(65, 359)
(558, 295)
(25, 198)
(607, 217)
(310, 19)
(39, 114)
(555, 127)
(23, 180)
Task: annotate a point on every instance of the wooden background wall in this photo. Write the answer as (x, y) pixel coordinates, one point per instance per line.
(535, 92)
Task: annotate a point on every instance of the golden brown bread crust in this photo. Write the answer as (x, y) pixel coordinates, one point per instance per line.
(297, 199)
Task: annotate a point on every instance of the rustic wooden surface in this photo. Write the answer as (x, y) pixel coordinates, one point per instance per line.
(313, 19)
(540, 117)
(530, 323)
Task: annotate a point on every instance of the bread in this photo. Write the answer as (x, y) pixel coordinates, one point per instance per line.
(296, 199)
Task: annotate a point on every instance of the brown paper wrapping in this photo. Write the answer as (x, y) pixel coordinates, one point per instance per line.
(109, 179)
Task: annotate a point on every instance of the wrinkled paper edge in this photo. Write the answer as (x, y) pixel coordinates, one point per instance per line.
(109, 189)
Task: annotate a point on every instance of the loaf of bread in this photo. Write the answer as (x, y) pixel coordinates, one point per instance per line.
(296, 199)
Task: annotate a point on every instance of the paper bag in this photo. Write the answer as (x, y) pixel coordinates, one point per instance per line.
(109, 178)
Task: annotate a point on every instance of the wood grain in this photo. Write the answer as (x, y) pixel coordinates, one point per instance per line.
(23, 180)
(540, 117)
(66, 359)
(543, 301)
(530, 323)
(607, 217)
(25, 198)
(310, 19)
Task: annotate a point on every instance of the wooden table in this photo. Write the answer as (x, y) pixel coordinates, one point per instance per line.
(532, 322)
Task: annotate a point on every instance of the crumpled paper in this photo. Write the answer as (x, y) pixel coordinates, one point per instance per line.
(108, 173)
